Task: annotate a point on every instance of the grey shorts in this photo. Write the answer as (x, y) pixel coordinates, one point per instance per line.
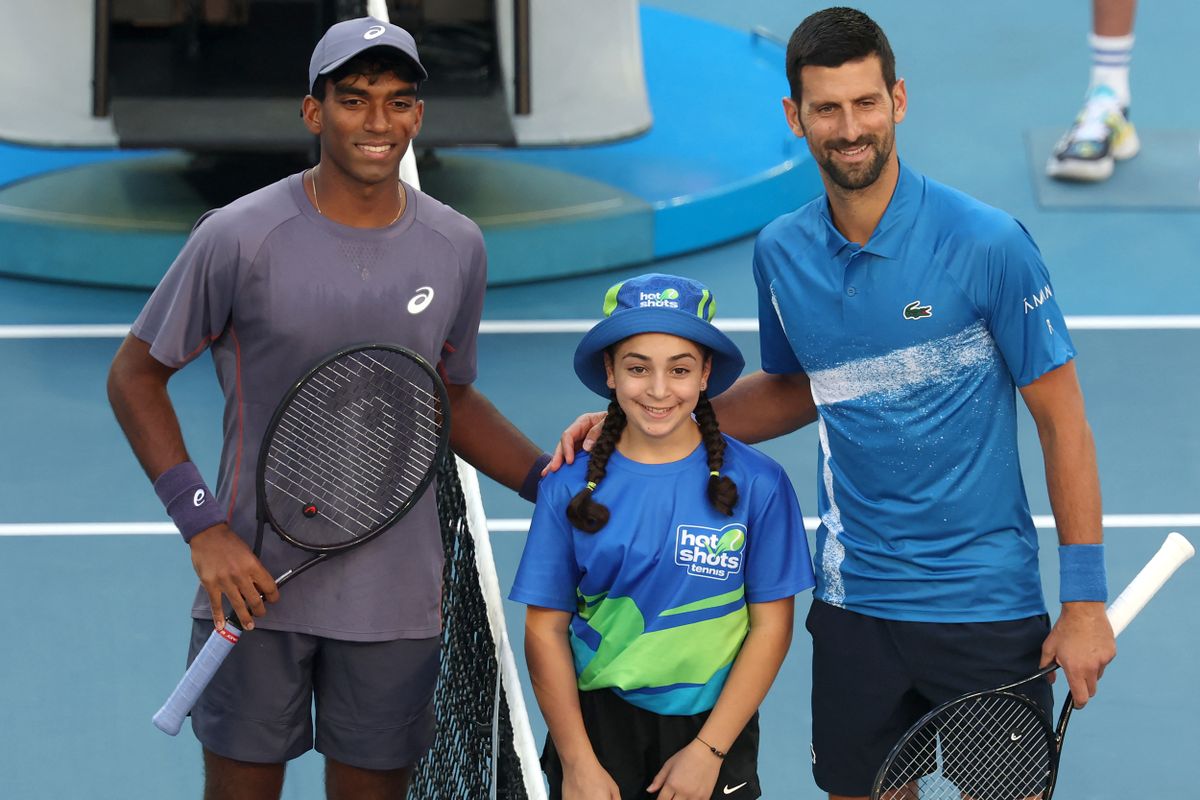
(373, 700)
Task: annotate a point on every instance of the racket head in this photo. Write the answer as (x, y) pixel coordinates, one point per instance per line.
(352, 447)
(995, 745)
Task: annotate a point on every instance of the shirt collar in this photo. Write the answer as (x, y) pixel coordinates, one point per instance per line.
(890, 234)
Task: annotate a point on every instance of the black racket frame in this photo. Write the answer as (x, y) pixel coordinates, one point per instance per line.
(264, 515)
(1055, 735)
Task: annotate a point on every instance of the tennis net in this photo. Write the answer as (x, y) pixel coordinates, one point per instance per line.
(484, 747)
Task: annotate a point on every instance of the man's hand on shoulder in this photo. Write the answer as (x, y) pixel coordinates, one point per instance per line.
(227, 567)
(580, 434)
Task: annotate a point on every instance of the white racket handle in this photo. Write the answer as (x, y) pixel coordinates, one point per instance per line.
(1174, 551)
(169, 718)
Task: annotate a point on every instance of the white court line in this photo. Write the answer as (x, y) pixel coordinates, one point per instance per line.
(529, 326)
(1042, 521)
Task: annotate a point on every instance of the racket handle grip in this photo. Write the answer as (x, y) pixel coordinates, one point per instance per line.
(169, 718)
(1174, 551)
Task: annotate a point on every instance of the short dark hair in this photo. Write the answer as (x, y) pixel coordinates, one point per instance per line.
(830, 38)
(371, 64)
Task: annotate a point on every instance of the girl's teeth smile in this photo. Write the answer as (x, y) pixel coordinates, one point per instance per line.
(657, 412)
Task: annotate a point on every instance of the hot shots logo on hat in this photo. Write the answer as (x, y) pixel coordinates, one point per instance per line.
(713, 553)
(641, 305)
(667, 298)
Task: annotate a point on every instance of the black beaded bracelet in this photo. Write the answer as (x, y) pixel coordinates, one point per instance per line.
(715, 751)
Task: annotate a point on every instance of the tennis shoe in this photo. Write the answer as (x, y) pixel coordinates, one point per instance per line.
(1102, 134)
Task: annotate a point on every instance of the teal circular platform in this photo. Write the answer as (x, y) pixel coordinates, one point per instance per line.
(717, 164)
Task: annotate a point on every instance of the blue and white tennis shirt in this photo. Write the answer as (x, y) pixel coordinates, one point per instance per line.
(913, 344)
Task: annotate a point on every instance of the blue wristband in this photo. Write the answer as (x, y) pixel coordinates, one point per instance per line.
(189, 502)
(1081, 575)
(529, 488)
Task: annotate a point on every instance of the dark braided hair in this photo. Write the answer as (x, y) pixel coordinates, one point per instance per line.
(583, 512)
(589, 516)
(722, 491)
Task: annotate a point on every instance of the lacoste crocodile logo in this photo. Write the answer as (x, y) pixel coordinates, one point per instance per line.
(915, 310)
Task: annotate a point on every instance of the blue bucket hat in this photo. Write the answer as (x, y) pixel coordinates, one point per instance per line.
(347, 39)
(657, 303)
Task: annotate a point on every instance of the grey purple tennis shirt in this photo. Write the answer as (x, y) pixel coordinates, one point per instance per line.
(271, 287)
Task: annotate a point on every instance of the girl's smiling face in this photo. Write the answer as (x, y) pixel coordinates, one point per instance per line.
(657, 378)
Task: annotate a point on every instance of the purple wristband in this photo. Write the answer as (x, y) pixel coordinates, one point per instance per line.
(529, 488)
(189, 502)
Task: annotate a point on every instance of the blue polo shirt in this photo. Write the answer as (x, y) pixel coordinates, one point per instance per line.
(658, 596)
(914, 344)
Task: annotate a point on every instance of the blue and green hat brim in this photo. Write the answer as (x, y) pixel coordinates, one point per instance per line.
(727, 360)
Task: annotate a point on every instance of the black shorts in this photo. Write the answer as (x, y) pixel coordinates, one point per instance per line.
(632, 744)
(374, 700)
(873, 678)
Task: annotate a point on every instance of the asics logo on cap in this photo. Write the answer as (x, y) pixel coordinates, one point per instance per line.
(374, 32)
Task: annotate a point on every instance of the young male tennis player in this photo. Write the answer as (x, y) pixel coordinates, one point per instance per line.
(339, 254)
(660, 571)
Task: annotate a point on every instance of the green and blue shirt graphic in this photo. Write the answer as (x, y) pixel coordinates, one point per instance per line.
(659, 596)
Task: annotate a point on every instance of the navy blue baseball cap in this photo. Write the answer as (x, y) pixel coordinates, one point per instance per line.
(657, 303)
(347, 39)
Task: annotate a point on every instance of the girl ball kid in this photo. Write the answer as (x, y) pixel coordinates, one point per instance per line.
(660, 569)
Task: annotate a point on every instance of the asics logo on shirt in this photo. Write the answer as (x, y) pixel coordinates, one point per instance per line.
(374, 32)
(198, 498)
(715, 553)
(915, 310)
(421, 300)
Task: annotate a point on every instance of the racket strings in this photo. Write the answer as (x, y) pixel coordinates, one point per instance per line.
(361, 449)
(424, 418)
(419, 386)
(990, 747)
(410, 384)
(417, 407)
(344, 478)
(355, 444)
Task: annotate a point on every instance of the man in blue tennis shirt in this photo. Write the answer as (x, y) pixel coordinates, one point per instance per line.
(901, 315)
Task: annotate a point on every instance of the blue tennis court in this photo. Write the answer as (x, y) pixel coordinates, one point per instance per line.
(98, 614)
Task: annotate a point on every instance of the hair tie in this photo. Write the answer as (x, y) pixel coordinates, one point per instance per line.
(591, 486)
(715, 474)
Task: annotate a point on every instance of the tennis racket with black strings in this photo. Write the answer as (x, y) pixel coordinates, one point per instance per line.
(998, 745)
(350, 449)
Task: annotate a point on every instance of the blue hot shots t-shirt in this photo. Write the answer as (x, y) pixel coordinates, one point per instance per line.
(659, 595)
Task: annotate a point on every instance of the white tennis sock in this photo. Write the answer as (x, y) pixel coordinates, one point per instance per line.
(1110, 64)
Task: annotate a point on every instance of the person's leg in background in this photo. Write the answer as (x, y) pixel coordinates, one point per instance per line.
(1102, 133)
